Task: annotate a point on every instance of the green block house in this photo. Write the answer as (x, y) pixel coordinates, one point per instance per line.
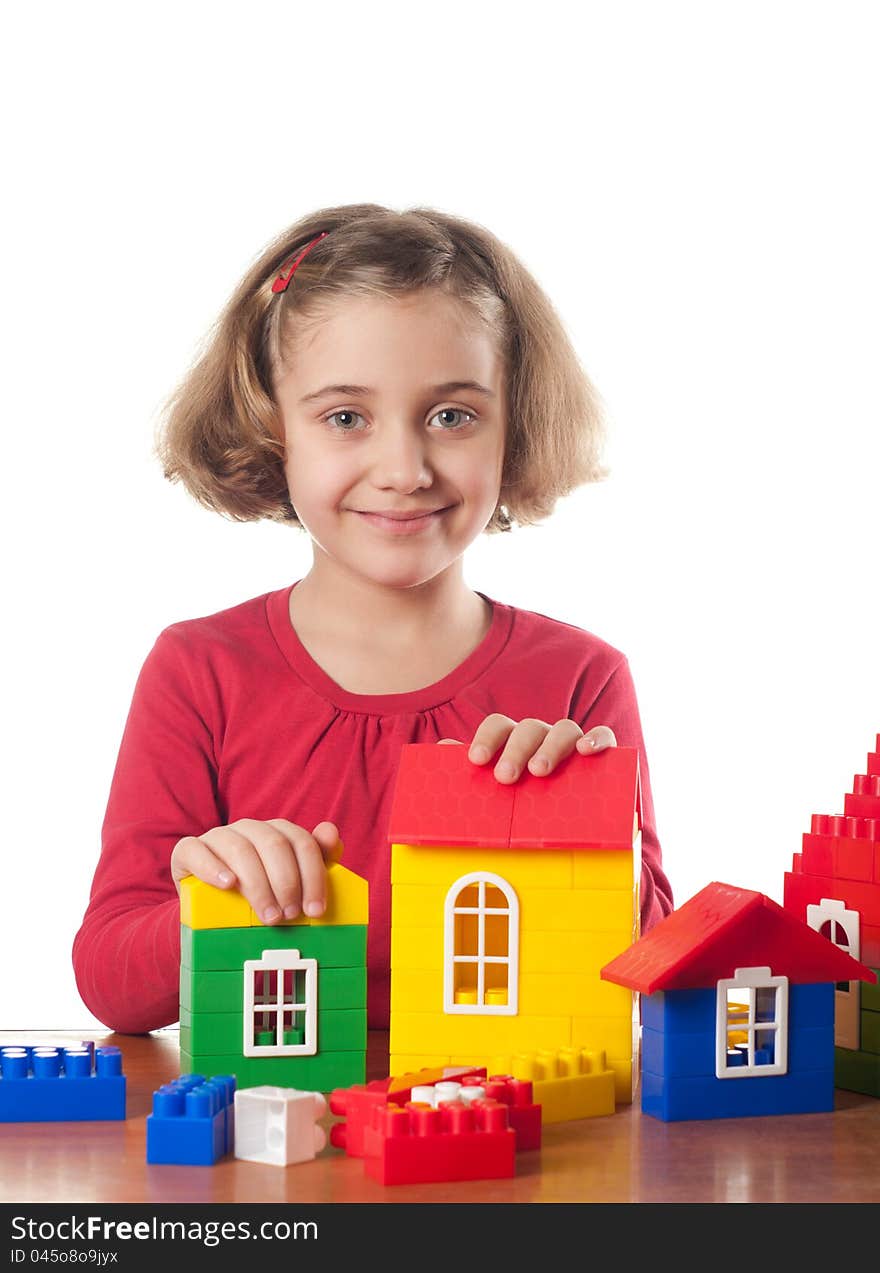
(284, 1005)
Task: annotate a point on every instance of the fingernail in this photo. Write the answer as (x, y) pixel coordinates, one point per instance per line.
(314, 908)
(271, 913)
(506, 769)
(479, 754)
(590, 742)
(539, 763)
(225, 877)
(291, 912)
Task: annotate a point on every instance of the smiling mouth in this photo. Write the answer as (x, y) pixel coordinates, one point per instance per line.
(399, 517)
(399, 525)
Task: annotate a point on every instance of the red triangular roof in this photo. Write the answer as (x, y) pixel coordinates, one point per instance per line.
(443, 798)
(723, 928)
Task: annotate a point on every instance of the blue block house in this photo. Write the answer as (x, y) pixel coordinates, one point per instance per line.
(737, 999)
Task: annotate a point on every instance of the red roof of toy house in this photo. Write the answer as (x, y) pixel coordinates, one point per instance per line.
(443, 798)
(723, 928)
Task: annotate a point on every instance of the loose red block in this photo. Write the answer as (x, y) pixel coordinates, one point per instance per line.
(415, 1144)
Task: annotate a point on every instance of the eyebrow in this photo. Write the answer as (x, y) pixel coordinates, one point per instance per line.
(362, 391)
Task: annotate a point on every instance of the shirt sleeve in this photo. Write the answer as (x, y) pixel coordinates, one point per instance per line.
(615, 705)
(126, 953)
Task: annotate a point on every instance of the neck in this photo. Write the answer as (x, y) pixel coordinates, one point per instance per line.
(332, 598)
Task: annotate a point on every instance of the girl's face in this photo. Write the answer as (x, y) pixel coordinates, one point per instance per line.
(394, 406)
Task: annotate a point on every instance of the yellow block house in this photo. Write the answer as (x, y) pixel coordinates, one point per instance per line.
(506, 902)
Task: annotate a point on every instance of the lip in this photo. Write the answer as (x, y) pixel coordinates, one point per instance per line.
(402, 523)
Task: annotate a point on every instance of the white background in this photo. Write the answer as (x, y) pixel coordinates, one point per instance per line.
(696, 187)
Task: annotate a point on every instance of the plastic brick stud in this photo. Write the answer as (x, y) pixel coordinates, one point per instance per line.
(50, 1084)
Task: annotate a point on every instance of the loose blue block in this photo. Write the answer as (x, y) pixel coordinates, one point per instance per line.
(61, 1085)
(192, 1121)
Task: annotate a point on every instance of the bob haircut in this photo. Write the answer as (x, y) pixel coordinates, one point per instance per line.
(220, 432)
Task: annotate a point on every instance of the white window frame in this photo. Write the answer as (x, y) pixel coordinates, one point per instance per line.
(847, 994)
(279, 962)
(750, 980)
(830, 908)
(481, 959)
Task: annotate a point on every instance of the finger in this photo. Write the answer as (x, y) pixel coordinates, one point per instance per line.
(191, 856)
(450, 740)
(490, 734)
(310, 891)
(327, 836)
(525, 739)
(558, 743)
(236, 845)
(596, 739)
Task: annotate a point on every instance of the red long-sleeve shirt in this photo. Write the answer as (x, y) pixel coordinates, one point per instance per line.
(232, 718)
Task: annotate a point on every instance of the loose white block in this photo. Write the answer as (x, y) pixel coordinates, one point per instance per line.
(276, 1125)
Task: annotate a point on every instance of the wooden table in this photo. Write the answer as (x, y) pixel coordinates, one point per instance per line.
(622, 1158)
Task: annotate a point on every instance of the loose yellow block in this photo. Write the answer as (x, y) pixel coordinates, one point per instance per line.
(542, 868)
(626, 1073)
(417, 1032)
(568, 1083)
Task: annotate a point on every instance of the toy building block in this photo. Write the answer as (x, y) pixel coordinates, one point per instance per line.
(53, 1084)
(737, 1008)
(276, 1125)
(567, 1084)
(357, 1103)
(193, 1121)
(415, 1144)
(523, 1115)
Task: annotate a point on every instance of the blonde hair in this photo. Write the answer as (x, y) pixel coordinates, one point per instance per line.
(220, 431)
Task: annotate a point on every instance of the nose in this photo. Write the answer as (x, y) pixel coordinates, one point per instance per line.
(399, 459)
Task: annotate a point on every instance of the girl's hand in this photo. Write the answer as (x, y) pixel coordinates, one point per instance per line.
(279, 867)
(533, 743)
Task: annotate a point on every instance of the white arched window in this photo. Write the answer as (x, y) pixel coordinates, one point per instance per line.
(840, 926)
(481, 947)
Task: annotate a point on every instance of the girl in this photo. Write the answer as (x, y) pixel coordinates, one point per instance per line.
(394, 384)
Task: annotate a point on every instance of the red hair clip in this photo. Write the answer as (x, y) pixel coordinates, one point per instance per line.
(280, 284)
